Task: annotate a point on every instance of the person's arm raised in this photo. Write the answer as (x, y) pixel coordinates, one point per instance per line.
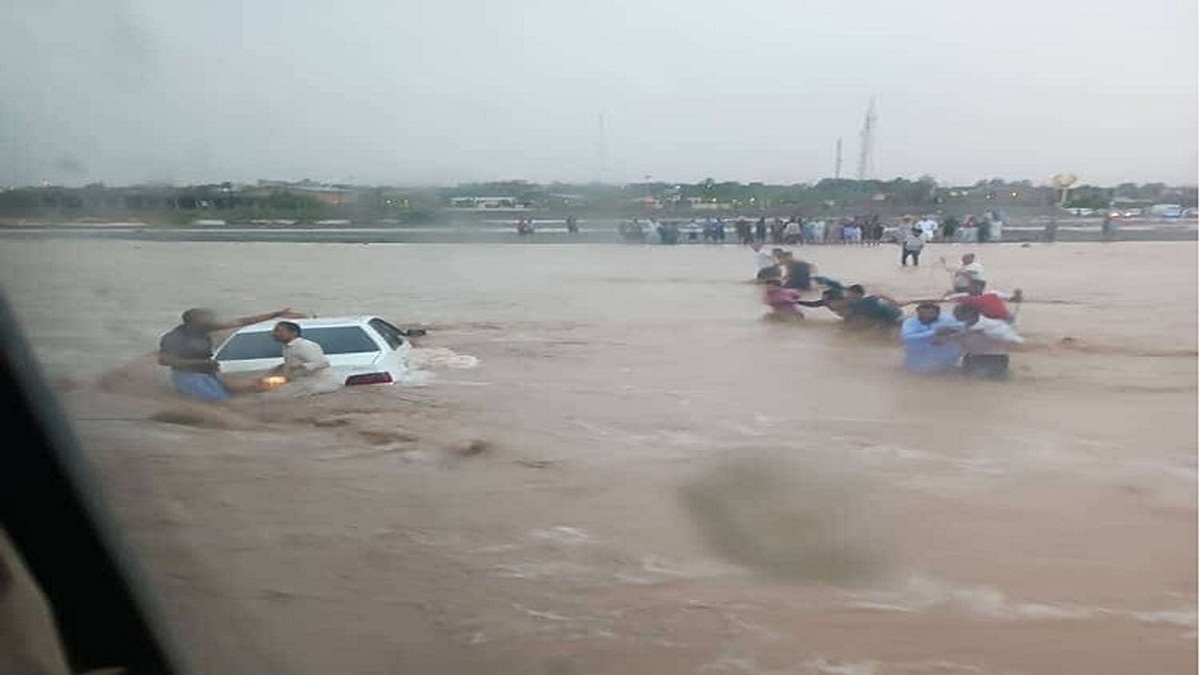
(286, 313)
(937, 301)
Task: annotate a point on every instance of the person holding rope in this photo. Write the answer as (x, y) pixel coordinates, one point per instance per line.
(984, 343)
(970, 270)
(989, 303)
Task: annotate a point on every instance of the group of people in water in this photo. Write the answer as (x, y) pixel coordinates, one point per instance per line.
(974, 338)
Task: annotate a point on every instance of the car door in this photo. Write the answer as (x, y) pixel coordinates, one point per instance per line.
(399, 347)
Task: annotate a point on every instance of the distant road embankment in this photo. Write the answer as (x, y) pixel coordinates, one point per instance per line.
(596, 231)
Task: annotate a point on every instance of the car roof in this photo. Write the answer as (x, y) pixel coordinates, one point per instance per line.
(330, 321)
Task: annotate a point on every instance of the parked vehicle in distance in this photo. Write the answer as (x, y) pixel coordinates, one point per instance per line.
(1166, 211)
(892, 235)
(361, 350)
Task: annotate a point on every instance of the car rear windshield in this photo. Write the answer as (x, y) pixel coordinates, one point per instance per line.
(334, 340)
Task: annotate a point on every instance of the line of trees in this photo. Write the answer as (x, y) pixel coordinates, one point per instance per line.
(923, 192)
(229, 202)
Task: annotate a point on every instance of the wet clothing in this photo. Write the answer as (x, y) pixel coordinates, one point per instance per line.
(836, 290)
(204, 386)
(784, 300)
(303, 357)
(813, 303)
(988, 336)
(186, 344)
(832, 284)
(769, 273)
(199, 381)
(798, 275)
(990, 366)
(990, 305)
(923, 353)
(875, 309)
(307, 368)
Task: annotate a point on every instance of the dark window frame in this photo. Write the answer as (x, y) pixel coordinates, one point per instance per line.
(257, 350)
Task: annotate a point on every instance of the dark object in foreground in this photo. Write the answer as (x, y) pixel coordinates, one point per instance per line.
(989, 366)
(50, 511)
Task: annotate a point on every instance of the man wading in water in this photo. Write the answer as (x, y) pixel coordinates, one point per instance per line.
(188, 351)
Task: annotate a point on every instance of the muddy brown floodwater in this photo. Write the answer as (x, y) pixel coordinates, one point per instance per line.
(640, 475)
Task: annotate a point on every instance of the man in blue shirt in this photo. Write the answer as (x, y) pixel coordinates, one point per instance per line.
(925, 350)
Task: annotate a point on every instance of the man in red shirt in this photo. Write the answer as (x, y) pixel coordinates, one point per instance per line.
(989, 303)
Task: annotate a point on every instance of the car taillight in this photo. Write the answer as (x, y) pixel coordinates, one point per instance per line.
(369, 378)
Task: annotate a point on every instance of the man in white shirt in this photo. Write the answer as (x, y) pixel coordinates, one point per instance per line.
(984, 342)
(791, 233)
(970, 270)
(997, 226)
(762, 258)
(914, 241)
(928, 228)
(304, 362)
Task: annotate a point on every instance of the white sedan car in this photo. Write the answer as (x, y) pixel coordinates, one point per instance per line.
(361, 349)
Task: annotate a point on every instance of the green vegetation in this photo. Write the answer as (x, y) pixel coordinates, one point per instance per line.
(308, 202)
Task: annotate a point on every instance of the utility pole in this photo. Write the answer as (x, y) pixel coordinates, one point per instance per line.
(601, 151)
(837, 164)
(866, 154)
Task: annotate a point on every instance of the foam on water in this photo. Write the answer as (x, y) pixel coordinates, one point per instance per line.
(440, 357)
(825, 667)
(424, 361)
(924, 593)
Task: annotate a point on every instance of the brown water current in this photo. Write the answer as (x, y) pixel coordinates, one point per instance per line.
(639, 474)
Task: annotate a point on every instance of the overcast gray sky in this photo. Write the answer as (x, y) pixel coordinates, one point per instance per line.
(408, 92)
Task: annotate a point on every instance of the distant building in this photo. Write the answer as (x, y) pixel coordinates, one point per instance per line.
(473, 203)
(712, 206)
(330, 195)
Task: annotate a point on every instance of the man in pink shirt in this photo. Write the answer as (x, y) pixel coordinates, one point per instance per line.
(782, 301)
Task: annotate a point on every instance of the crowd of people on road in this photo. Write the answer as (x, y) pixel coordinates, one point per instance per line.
(974, 338)
(864, 230)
